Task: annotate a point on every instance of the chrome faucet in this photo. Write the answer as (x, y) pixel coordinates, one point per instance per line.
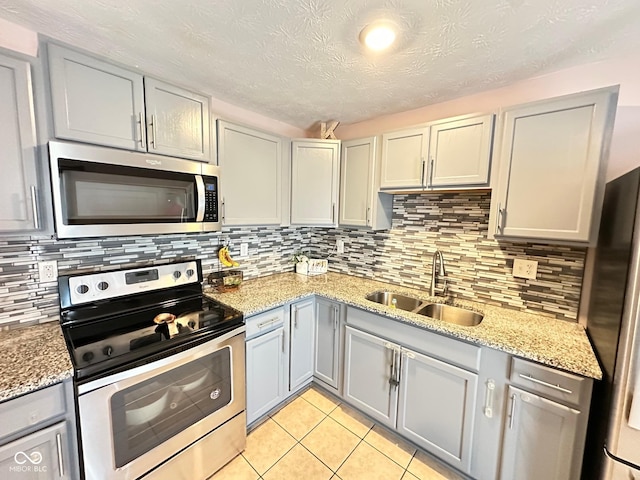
(437, 270)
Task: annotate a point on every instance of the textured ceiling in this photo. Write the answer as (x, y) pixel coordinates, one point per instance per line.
(300, 61)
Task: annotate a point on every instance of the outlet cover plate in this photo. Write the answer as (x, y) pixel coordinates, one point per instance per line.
(525, 268)
(244, 249)
(48, 271)
(340, 246)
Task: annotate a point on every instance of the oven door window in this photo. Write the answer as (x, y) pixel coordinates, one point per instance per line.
(147, 414)
(95, 193)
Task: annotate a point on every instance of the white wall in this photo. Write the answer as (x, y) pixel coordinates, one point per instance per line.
(625, 145)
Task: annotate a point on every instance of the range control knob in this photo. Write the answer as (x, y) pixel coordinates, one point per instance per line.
(87, 356)
(108, 350)
(103, 286)
(82, 289)
(177, 274)
(190, 272)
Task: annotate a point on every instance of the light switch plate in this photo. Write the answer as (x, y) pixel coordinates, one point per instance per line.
(340, 246)
(244, 249)
(525, 268)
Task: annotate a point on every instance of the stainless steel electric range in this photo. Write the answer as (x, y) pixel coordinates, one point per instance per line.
(159, 372)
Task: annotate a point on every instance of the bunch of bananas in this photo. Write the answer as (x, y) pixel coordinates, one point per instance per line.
(225, 257)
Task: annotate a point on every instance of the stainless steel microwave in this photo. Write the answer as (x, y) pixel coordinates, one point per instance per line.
(101, 191)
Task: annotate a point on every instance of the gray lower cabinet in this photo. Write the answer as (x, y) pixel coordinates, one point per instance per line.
(539, 438)
(19, 192)
(327, 348)
(436, 406)
(369, 375)
(265, 363)
(41, 455)
(38, 435)
(302, 342)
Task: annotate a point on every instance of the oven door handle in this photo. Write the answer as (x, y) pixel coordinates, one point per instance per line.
(143, 372)
(201, 202)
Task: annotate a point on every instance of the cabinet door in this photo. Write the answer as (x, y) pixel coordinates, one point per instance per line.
(327, 342)
(460, 152)
(252, 163)
(356, 182)
(552, 167)
(437, 407)
(370, 375)
(302, 343)
(43, 455)
(19, 192)
(265, 373)
(95, 102)
(404, 156)
(314, 182)
(177, 121)
(539, 438)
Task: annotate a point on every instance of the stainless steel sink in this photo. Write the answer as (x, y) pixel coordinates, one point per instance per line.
(451, 314)
(390, 299)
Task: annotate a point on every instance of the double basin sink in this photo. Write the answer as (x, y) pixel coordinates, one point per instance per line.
(439, 311)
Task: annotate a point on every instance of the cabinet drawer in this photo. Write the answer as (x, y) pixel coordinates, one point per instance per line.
(31, 409)
(549, 382)
(265, 322)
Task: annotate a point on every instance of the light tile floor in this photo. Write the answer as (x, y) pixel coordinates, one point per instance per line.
(315, 437)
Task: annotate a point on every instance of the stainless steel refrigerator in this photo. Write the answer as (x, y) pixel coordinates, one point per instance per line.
(613, 437)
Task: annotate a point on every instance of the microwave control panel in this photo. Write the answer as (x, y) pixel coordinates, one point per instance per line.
(211, 199)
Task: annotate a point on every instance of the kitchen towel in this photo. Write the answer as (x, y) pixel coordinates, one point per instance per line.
(634, 414)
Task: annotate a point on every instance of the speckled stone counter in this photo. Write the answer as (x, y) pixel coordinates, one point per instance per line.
(546, 340)
(32, 358)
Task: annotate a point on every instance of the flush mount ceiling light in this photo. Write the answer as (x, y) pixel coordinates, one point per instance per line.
(378, 36)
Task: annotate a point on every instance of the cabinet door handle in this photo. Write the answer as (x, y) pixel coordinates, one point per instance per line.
(34, 207)
(512, 412)
(367, 219)
(295, 318)
(60, 459)
(153, 131)
(141, 127)
(224, 210)
(546, 384)
(499, 220)
(392, 372)
(422, 171)
(488, 400)
(335, 318)
(431, 173)
(333, 213)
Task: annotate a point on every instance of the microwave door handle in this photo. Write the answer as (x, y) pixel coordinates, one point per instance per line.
(201, 198)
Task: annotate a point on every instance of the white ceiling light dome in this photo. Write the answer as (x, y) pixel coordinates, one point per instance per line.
(379, 35)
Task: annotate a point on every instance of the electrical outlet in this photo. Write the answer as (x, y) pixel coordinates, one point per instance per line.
(340, 246)
(525, 268)
(48, 271)
(244, 249)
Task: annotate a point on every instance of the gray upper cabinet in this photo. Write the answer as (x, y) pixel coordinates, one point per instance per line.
(20, 188)
(361, 204)
(96, 102)
(178, 121)
(552, 157)
(446, 154)
(252, 165)
(314, 182)
(404, 156)
(460, 152)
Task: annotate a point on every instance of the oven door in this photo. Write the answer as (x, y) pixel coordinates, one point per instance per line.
(133, 421)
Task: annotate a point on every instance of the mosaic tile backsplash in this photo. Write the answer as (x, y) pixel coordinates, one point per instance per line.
(478, 269)
(456, 223)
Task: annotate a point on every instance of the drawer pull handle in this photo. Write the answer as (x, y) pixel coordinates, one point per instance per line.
(267, 323)
(546, 384)
(60, 460)
(488, 402)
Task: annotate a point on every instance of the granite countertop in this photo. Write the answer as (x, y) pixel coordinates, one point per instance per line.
(556, 343)
(32, 358)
